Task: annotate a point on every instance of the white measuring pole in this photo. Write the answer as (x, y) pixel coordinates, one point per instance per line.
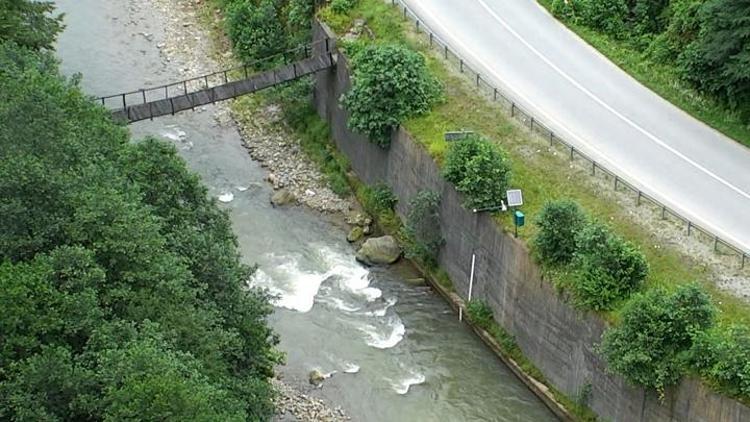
(471, 285)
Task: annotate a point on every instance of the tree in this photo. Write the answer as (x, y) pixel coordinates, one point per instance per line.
(718, 61)
(29, 23)
(479, 169)
(559, 222)
(256, 30)
(607, 268)
(652, 344)
(390, 84)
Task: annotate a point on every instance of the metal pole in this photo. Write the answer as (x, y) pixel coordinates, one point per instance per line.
(471, 287)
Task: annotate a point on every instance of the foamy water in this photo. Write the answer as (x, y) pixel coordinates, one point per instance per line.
(385, 337)
(226, 197)
(403, 385)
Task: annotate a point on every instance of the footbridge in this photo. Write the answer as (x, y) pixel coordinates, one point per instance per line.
(188, 94)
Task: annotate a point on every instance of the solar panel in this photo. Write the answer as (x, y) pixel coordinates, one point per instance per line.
(515, 197)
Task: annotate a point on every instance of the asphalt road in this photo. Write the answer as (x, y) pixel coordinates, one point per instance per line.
(602, 111)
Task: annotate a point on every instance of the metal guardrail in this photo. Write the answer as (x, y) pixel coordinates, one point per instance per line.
(538, 126)
(199, 83)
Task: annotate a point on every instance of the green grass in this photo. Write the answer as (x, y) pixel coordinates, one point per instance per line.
(663, 79)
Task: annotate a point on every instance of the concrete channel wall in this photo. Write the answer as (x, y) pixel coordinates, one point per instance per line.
(559, 340)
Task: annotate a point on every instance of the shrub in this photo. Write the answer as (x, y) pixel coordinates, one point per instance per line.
(379, 198)
(255, 30)
(608, 16)
(652, 345)
(391, 83)
(724, 356)
(559, 222)
(422, 230)
(480, 314)
(479, 169)
(342, 6)
(607, 268)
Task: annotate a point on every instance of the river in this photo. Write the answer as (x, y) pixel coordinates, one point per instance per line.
(396, 350)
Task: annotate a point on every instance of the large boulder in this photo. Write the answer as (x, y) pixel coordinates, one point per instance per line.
(316, 377)
(379, 251)
(282, 197)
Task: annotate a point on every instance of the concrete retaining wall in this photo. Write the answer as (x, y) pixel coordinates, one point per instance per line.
(559, 340)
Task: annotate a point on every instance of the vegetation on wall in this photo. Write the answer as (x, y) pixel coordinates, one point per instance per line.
(421, 232)
(121, 286)
(653, 343)
(671, 45)
(479, 169)
(390, 84)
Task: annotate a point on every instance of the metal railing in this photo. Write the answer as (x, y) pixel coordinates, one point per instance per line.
(537, 126)
(184, 87)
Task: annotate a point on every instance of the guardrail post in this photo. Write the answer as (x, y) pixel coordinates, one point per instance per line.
(690, 227)
(572, 150)
(143, 92)
(638, 201)
(404, 12)
(124, 104)
(416, 22)
(478, 80)
(445, 49)
(328, 45)
(742, 261)
(294, 66)
(716, 243)
(531, 123)
(205, 79)
(226, 80)
(494, 94)
(431, 39)
(166, 91)
(617, 180)
(663, 213)
(184, 87)
(551, 138)
(171, 104)
(593, 168)
(461, 64)
(512, 109)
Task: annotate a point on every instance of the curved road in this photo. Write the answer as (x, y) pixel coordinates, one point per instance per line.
(602, 111)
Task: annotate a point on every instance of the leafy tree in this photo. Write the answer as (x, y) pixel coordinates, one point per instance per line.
(724, 356)
(422, 229)
(390, 84)
(342, 6)
(718, 61)
(652, 345)
(608, 16)
(255, 30)
(479, 169)
(559, 222)
(29, 23)
(607, 267)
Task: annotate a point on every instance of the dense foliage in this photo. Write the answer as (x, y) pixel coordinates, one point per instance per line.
(29, 23)
(724, 355)
(479, 169)
(708, 41)
(342, 6)
(559, 222)
(421, 232)
(260, 30)
(390, 84)
(121, 288)
(607, 268)
(652, 346)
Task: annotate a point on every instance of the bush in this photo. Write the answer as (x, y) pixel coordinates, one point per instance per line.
(608, 16)
(607, 268)
(480, 314)
(422, 230)
(342, 6)
(652, 345)
(379, 198)
(724, 356)
(390, 84)
(479, 169)
(255, 30)
(559, 222)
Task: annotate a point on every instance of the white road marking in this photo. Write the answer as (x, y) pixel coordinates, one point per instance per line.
(723, 234)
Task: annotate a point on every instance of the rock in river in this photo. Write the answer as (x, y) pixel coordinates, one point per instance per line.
(282, 197)
(379, 250)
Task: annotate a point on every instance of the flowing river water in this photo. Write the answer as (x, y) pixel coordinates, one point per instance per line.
(395, 349)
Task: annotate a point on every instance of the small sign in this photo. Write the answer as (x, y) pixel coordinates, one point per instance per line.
(458, 135)
(515, 197)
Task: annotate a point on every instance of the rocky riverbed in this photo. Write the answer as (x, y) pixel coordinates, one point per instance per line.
(190, 47)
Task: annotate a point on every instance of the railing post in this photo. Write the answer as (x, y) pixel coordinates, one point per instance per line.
(572, 151)
(617, 180)
(143, 92)
(431, 39)
(245, 68)
(124, 103)
(417, 24)
(461, 64)
(205, 79)
(690, 226)
(494, 94)
(171, 104)
(716, 243)
(512, 109)
(531, 123)
(328, 47)
(478, 80)
(445, 49)
(166, 91)
(742, 262)
(593, 168)
(552, 139)
(663, 212)
(638, 201)
(226, 80)
(184, 87)
(294, 66)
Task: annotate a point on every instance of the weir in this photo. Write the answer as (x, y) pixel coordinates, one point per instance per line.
(223, 85)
